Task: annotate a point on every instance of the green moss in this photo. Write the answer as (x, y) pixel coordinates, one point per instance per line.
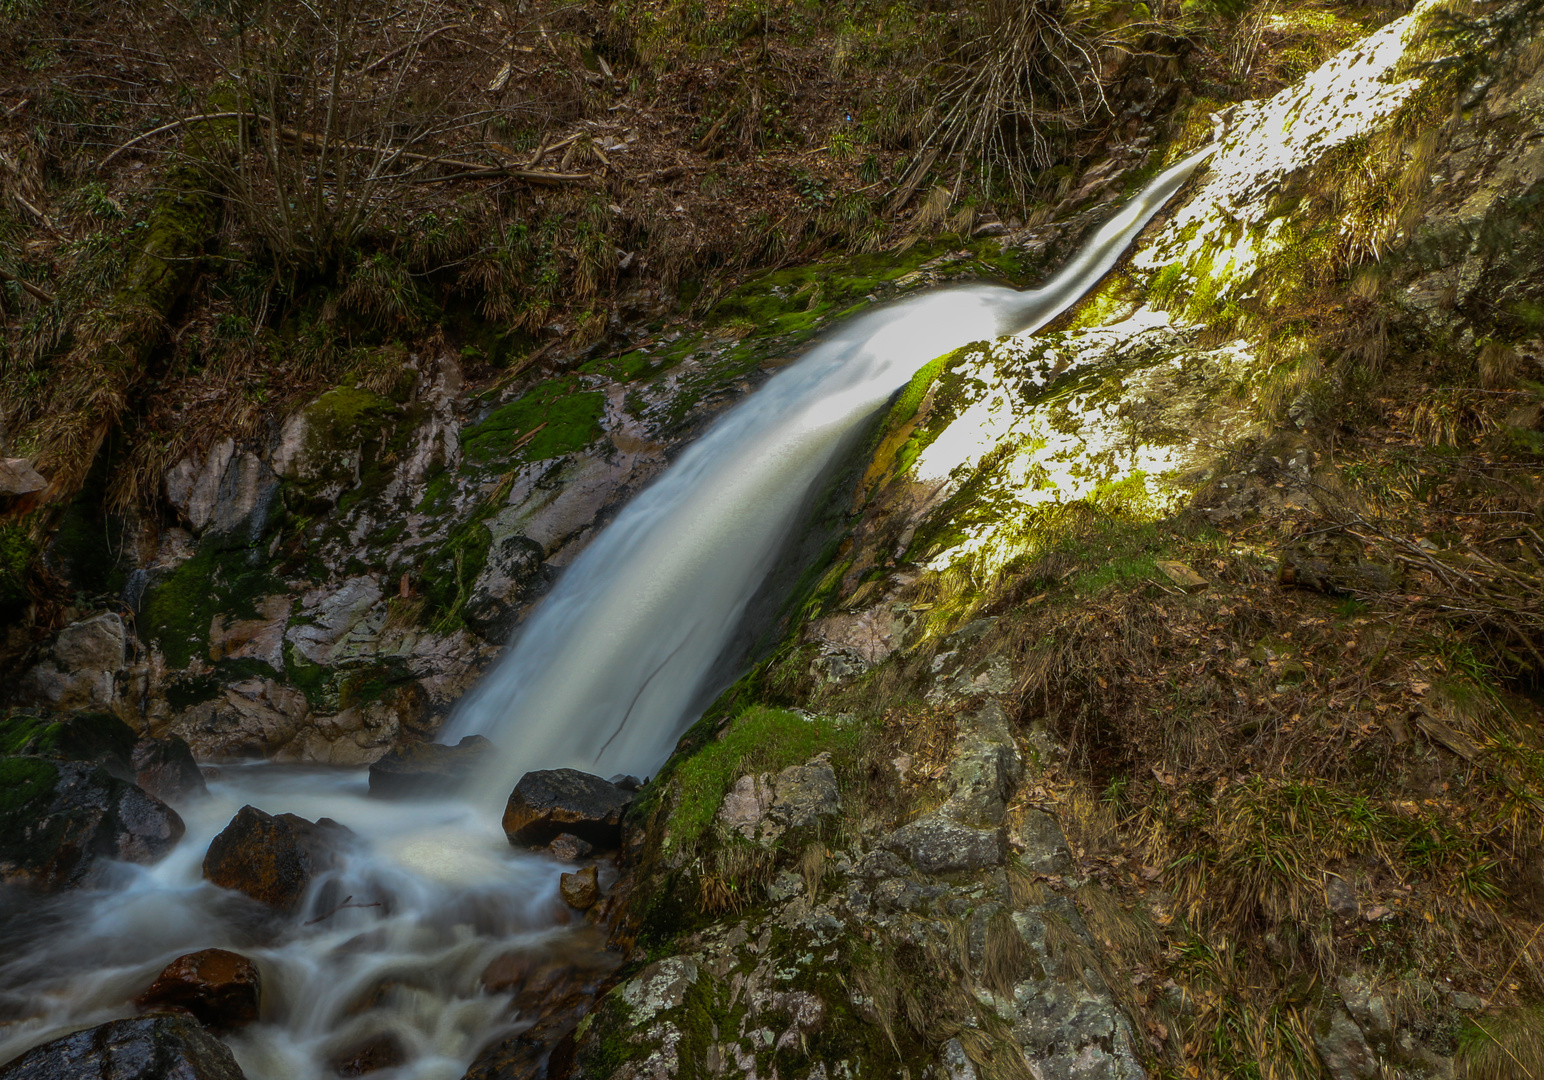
(75, 737)
(178, 610)
(17, 551)
(568, 418)
(448, 574)
(25, 782)
(760, 738)
(312, 680)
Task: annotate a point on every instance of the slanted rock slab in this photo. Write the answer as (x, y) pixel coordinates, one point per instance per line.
(549, 802)
(936, 845)
(220, 987)
(427, 769)
(273, 859)
(166, 1047)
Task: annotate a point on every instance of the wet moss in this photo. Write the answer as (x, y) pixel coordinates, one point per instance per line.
(25, 785)
(179, 608)
(76, 737)
(17, 552)
(555, 418)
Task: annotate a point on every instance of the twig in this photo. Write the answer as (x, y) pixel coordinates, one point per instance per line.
(31, 289)
(471, 168)
(339, 908)
(400, 49)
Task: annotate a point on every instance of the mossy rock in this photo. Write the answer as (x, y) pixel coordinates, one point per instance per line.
(324, 449)
(555, 418)
(179, 607)
(60, 819)
(86, 736)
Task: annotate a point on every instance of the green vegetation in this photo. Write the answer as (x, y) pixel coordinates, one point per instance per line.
(24, 783)
(759, 739)
(557, 417)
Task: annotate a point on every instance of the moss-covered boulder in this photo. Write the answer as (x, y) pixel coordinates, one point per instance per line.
(61, 821)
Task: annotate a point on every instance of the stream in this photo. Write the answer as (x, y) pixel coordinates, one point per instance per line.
(604, 676)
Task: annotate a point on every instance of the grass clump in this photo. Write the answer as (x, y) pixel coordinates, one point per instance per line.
(1504, 1047)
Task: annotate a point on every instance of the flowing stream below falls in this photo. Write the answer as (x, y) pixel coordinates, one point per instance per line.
(605, 675)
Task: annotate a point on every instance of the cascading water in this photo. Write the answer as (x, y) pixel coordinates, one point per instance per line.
(603, 677)
(605, 674)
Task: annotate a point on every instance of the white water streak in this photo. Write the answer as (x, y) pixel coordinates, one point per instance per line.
(605, 674)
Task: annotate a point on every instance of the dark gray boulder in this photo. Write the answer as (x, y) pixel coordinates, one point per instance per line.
(426, 769)
(548, 803)
(61, 820)
(171, 1046)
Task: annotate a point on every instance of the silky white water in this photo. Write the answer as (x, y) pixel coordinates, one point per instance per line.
(603, 677)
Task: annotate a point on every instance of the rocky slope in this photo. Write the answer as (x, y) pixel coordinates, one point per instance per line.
(1168, 706)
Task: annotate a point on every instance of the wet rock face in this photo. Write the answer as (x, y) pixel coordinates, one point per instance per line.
(219, 987)
(82, 671)
(169, 1047)
(551, 802)
(60, 819)
(273, 859)
(422, 770)
(382, 1051)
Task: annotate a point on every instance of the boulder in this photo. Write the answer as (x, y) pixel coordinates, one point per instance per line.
(549, 802)
(18, 477)
(935, 844)
(166, 1047)
(166, 769)
(82, 667)
(273, 859)
(580, 890)
(800, 799)
(229, 493)
(219, 987)
(82, 736)
(428, 769)
(569, 847)
(60, 820)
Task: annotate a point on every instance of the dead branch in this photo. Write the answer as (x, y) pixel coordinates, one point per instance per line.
(31, 289)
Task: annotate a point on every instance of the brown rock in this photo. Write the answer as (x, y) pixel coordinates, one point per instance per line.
(550, 802)
(382, 1051)
(580, 890)
(569, 847)
(273, 859)
(219, 987)
(18, 477)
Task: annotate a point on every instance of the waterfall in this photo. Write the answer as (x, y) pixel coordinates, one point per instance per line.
(604, 677)
(605, 674)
